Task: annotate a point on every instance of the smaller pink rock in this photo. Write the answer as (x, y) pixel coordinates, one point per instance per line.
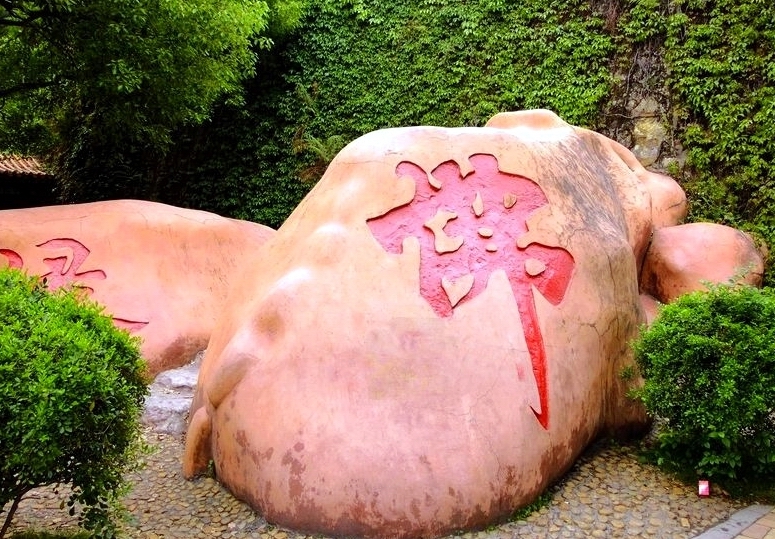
(668, 200)
(650, 307)
(681, 259)
(162, 272)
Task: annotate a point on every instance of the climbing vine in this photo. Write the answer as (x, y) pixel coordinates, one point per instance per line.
(354, 66)
(720, 59)
(374, 64)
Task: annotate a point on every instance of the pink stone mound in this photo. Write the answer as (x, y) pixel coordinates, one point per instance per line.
(161, 272)
(684, 258)
(437, 332)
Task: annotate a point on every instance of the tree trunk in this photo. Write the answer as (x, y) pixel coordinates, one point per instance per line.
(11, 511)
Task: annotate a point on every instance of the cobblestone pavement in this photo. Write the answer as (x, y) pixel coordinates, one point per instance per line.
(608, 493)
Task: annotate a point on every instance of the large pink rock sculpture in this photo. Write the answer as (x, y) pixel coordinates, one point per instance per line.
(437, 331)
(161, 272)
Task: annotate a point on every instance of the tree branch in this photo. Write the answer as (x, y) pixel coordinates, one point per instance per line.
(18, 16)
(9, 516)
(25, 87)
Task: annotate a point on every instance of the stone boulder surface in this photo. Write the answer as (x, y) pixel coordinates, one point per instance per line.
(162, 272)
(437, 331)
(683, 258)
(169, 398)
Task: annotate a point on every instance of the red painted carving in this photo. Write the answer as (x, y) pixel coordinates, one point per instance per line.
(64, 270)
(130, 325)
(490, 211)
(14, 259)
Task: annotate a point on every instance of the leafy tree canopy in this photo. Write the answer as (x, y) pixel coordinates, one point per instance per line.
(132, 69)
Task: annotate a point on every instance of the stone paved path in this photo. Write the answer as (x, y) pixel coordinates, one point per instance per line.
(754, 522)
(763, 528)
(608, 493)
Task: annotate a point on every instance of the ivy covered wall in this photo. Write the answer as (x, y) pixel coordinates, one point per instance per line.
(354, 66)
(719, 63)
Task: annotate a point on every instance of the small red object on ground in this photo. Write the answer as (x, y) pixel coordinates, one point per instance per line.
(704, 488)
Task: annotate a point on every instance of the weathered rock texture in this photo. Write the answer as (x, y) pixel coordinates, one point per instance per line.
(437, 331)
(161, 272)
(169, 398)
(682, 258)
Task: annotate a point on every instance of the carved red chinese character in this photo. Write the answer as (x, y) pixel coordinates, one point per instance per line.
(14, 259)
(65, 258)
(69, 256)
(469, 225)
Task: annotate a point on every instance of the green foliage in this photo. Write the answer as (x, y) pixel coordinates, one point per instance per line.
(627, 374)
(720, 55)
(71, 394)
(370, 65)
(709, 366)
(539, 503)
(100, 82)
(354, 66)
(241, 163)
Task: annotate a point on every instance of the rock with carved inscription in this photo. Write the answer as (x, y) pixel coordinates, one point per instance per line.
(161, 272)
(436, 333)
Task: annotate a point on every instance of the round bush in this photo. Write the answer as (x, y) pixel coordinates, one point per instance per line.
(709, 366)
(71, 392)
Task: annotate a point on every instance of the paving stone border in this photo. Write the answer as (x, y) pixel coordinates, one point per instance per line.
(738, 523)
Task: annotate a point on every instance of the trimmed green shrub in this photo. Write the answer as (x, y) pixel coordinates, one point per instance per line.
(709, 366)
(71, 392)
